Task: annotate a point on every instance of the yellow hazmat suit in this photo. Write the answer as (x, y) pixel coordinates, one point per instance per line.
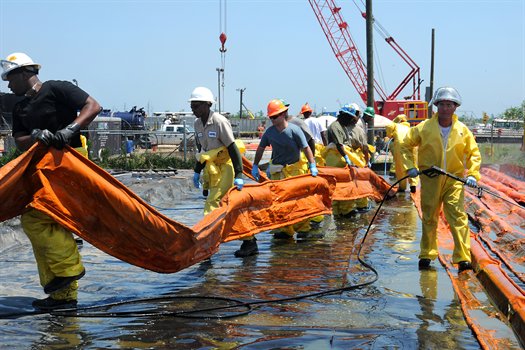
(56, 252)
(319, 160)
(218, 174)
(279, 172)
(460, 151)
(334, 158)
(398, 131)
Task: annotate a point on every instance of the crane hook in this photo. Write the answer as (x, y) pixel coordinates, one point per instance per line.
(222, 38)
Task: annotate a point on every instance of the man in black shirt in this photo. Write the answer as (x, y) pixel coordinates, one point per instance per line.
(52, 113)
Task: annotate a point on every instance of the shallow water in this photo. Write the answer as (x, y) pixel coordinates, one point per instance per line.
(404, 309)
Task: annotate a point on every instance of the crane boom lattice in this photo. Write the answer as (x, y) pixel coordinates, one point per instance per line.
(336, 31)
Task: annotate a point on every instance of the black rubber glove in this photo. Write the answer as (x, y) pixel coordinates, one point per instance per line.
(45, 136)
(64, 136)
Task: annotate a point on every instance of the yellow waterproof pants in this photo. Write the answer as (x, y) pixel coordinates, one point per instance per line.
(218, 179)
(218, 174)
(319, 159)
(400, 169)
(437, 192)
(55, 251)
(299, 168)
(334, 158)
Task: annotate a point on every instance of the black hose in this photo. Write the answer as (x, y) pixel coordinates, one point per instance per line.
(435, 171)
(87, 311)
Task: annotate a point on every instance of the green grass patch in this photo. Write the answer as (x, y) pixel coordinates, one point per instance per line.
(502, 153)
(148, 160)
(125, 162)
(9, 156)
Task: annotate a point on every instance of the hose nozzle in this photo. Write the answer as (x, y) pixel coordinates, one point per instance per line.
(433, 171)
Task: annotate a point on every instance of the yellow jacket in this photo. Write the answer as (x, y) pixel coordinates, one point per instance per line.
(462, 150)
(214, 158)
(397, 130)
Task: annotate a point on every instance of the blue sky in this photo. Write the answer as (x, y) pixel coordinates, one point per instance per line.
(153, 53)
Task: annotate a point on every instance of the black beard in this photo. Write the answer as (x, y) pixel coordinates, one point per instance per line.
(344, 121)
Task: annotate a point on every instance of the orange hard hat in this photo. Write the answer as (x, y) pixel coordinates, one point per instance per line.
(277, 106)
(306, 108)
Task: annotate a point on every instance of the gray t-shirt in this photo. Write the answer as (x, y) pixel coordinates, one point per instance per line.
(216, 133)
(357, 135)
(300, 123)
(286, 145)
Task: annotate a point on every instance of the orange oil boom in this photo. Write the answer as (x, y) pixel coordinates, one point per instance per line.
(88, 201)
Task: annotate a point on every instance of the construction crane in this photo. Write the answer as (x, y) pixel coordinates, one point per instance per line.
(336, 31)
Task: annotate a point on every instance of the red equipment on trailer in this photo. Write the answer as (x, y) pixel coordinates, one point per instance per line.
(336, 31)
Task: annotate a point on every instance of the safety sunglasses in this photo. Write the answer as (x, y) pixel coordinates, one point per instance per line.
(276, 116)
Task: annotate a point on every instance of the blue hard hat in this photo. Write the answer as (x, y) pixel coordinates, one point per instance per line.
(348, 109)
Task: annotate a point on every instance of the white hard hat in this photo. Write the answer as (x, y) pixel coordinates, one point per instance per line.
(356, 107)
(17, 60)
(446, 94)
(201, 94)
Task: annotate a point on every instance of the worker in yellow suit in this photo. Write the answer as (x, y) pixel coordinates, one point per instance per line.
(447, 143)
(357, 130)
(219, 156)
(397, 131)
(52, 114)
(340, 153)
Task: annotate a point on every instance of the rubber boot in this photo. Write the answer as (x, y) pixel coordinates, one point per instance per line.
(248, 248)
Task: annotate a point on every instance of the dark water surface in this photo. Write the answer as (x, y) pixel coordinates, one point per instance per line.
(404, 309)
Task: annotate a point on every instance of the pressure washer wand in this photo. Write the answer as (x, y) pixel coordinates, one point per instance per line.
(435, 171)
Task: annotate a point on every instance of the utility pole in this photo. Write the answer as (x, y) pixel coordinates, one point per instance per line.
(370, 66)
(219, 71)
(240, 105)
(431, 90)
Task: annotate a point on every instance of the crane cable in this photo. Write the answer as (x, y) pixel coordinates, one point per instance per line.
(376, 57)
(383, 32)
(222, 37)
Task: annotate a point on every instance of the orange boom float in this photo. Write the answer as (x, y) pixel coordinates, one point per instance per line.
(88, 201)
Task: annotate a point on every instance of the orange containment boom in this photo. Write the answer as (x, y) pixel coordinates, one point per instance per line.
(88, 201)
(497, 252)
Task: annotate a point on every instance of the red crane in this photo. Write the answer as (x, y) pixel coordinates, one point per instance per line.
(336, 31)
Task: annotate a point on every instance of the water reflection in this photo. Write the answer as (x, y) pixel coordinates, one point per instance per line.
(404, 309)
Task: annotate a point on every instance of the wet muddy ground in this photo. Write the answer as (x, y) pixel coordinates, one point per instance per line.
(403, 309)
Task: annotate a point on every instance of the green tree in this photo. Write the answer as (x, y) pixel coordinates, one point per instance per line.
(514, 113)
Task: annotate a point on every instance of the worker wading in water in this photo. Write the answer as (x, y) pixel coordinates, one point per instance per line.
(347, 138)
(287, 141)
(48, 115)
(339, 152)
(316, 221)
(397, 132)
(447, 143)
(219, 157)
